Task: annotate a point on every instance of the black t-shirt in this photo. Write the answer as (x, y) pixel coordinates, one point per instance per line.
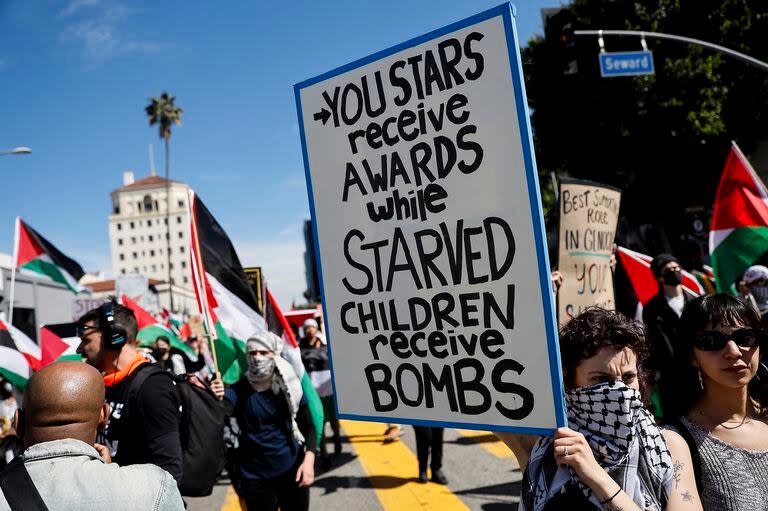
(150, 433)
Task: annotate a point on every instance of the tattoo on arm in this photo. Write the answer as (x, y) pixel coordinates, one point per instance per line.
(687, 497)
(677, 468)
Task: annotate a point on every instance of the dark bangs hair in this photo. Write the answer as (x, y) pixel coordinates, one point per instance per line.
(700, 314)
(594, 329)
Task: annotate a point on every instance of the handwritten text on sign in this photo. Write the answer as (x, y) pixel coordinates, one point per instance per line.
(588, 216)
(425, 235)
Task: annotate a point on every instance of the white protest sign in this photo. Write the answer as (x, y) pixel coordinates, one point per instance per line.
(589, 213)
(82, 305)
(429, 233)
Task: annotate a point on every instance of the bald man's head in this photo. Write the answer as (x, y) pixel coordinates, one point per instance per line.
(63, 400)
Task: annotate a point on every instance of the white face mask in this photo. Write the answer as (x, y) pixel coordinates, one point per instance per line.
(260, 367)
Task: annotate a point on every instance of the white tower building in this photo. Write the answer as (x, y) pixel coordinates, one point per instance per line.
(138, 232)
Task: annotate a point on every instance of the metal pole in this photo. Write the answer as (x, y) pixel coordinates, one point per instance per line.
(681, 39)
(16, 236)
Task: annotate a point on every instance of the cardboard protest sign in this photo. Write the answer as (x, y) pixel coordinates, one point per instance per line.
(589, 213)
(429, 233)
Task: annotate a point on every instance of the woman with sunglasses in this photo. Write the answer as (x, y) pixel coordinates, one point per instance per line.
(612, 456)
(721, 401)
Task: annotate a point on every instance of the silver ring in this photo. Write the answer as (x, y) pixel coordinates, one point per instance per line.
(565, 451)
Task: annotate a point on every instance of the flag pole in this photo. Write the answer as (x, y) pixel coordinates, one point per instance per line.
(197, 264)
(16, 237)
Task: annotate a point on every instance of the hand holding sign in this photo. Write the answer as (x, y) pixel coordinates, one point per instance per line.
(425, 200)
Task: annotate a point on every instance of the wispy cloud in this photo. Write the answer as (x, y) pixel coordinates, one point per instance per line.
(293, 183)
(75, 5)
(99, 27)
(282, 261)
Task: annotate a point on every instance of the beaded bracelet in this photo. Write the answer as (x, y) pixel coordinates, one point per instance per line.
(602, 502)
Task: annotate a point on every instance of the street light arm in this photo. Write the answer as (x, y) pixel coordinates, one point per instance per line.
(681, 39)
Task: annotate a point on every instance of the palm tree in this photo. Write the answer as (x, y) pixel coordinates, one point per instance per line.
(163, 112)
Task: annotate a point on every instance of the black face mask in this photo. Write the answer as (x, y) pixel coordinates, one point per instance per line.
(672, 278)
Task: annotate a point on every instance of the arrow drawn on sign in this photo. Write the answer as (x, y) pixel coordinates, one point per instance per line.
(322, 115)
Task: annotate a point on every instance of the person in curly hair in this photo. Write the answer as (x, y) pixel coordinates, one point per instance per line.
(613, 456)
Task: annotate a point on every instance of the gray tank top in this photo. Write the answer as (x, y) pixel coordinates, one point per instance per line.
(732, 479)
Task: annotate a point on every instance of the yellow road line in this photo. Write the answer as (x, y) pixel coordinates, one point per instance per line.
(232, 502)
(492, 445)
(393, 470)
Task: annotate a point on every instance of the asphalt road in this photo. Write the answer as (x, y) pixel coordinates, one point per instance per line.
(373, 475)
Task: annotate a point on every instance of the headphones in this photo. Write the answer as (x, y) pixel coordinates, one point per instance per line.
(114, 335)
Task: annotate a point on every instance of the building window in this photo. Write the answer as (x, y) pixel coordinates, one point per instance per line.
(132, 225)
(181, 203)
(136, 256)
(186, 280)
(119, 226)
(116, 209)
(122, 257)
(120, 242)
(183, 264)
(135, 269)
(162, 266)
(151, 238)
(147, 203)
(154, 267)
(156, 208)
(166, 221)
(133, 240)
(181, 234)
(181, 249)
(149, 223)
(170, 265)
(138, 205)
(143, 253)
(173, 281)
(122, 271)
(167, 236)
(142, 238)
(151, 253)
(178, 219)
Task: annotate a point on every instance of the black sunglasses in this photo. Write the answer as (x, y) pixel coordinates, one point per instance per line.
(712, 340)
(82, 330)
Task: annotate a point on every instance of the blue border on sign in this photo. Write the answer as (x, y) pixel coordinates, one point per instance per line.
(619, 74)
(506, 11)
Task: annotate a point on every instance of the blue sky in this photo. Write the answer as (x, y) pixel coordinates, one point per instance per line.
(75, 77)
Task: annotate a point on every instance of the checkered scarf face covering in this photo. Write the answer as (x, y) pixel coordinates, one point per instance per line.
(624, 439)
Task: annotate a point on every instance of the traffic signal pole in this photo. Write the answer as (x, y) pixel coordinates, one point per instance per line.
(688, 40)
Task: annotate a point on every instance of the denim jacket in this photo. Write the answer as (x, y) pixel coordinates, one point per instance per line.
(70, 476)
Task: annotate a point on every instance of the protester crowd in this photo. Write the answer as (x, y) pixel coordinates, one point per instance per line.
(670, 413)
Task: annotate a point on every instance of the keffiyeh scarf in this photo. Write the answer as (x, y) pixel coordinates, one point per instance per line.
(624, 439)
(285, 381)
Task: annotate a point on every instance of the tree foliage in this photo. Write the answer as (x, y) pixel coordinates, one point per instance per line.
(664, 138)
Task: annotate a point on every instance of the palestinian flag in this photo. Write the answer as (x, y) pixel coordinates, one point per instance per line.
(738, 234)
(150, 329)
(291, 352)
(59, 342)
(642, 283)
(17, 355)
(224, 295)
(35, 255)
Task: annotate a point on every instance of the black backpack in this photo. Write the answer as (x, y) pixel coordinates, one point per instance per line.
(201, 430)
